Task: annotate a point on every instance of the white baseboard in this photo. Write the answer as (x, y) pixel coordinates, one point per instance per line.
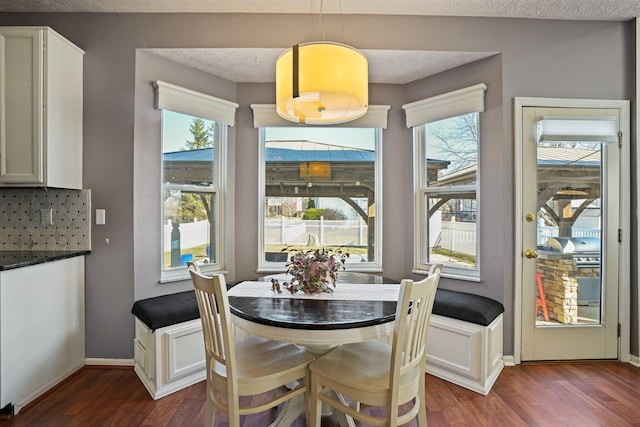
(46, 387)
(509, 360)
(634, 360)
(109, 362)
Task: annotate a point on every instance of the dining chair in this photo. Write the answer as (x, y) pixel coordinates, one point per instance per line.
(193, 266)
(434, 267)
(248, 367)
(378, 374)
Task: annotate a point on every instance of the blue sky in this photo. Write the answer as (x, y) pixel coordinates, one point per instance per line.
(176, 132)
(362, 138)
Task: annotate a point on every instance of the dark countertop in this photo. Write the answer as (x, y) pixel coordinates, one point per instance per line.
(16, 259)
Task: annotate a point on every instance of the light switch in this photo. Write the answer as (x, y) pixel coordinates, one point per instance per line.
(100, 216)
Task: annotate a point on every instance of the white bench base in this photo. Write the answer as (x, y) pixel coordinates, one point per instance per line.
(170, 358)
(469, 355)
(464, 353)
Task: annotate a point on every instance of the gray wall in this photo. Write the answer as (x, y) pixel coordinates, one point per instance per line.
(537, 58)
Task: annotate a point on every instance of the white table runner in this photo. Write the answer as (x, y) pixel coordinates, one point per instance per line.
(342, 291)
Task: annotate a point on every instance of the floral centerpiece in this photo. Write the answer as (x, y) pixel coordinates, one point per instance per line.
(313, 271)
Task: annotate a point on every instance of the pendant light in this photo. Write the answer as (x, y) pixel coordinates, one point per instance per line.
(322, 83)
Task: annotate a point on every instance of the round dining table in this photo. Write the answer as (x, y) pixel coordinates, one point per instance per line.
(361, 308)
(319, 322)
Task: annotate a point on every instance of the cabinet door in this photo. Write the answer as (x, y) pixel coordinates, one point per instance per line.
(21, 103)
(42, 328)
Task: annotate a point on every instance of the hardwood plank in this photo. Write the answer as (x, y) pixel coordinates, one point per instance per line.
(532, 394)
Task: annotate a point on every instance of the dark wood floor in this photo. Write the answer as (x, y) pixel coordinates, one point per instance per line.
(542, 394)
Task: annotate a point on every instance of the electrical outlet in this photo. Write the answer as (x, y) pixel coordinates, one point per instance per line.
(46, 216)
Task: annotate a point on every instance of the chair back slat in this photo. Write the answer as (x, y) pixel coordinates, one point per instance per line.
(213, 305)
(411, 328)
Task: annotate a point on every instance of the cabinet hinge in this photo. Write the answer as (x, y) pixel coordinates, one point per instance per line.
(619, 235)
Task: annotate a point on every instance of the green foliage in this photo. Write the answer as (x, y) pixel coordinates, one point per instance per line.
(190, 208)
(313, 271)
(311, 204)
(203, 137)
(333, 214)
(458, 256)
(312, 214)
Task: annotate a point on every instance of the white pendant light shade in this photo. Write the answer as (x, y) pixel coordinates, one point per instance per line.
(321, 83)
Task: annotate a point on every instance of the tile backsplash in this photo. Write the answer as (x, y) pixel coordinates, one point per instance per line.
(22, 226)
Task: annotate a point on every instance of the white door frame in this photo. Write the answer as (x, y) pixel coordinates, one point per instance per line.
(624, 311)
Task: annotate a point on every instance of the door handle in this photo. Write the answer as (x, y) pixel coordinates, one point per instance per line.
(531, 253)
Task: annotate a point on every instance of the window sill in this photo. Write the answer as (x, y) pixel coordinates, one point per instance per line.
(180, 277)
(454, 276)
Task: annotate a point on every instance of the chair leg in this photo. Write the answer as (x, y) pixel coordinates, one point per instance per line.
(422, 409)
(234, 415)
(315, 405)
(209, 413)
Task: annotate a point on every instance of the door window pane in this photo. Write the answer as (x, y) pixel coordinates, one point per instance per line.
(569, 233)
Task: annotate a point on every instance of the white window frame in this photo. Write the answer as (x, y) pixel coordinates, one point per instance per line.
(376, 117)
(418, 114)
(185, 101)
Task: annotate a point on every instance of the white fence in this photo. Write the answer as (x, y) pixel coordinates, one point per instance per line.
(293, 231)
(547, 231)
(457, 236)
(191, 234)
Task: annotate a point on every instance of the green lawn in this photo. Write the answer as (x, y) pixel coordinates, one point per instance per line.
(458, 256)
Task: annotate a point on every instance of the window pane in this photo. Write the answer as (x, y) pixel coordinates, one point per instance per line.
(189, 180)
(452, 229)
(452, 151)
(188, 147)
(188, 228)
(320, 191)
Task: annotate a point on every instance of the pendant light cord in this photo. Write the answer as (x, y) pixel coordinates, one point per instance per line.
(311, 9)
(321, 26)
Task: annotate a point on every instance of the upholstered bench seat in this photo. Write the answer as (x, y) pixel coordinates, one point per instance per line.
(166, 310)
(466, 307)
(465, 340)
(168, 344)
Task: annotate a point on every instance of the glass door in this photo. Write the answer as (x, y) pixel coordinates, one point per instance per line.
(570, 250)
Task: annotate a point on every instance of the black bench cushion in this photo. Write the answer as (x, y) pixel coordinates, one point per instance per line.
(165, 310)
(467, 307)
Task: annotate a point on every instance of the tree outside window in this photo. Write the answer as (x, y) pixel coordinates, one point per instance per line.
(449, 191)
(189, 190)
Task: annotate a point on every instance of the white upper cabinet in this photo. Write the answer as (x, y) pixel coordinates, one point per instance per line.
(40, 109)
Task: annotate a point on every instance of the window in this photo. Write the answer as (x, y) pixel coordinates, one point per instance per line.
(446, 141)
(193, 180)
(320, 187)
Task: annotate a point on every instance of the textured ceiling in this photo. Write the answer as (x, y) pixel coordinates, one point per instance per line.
(620, 10)
(258, 65)
(385, 66)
